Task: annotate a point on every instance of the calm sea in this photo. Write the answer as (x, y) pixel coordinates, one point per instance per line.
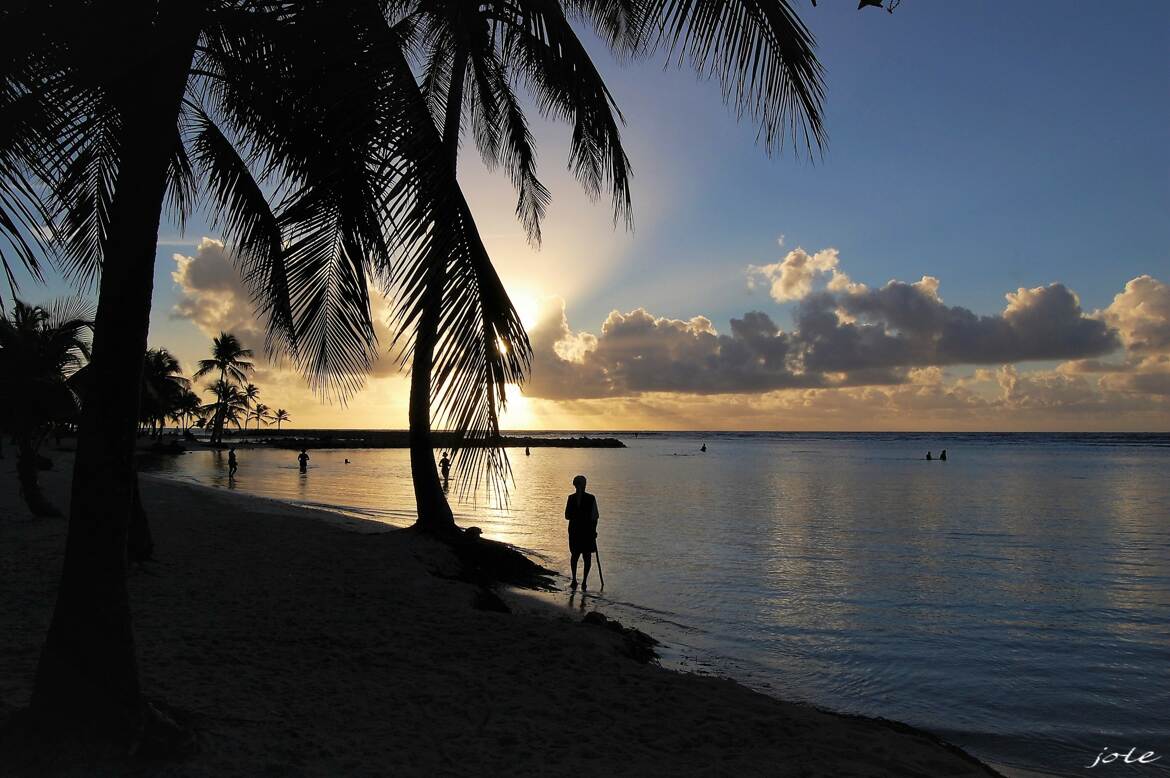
(1014, 599)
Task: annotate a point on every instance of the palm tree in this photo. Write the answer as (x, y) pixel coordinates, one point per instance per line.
(280, 415)
(474, 52)
(186, 408)
(232, 361)
(163, 386)
(261, 414)
(40, 348)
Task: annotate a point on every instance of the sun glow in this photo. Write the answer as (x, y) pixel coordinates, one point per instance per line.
(519, 413)
(527, 303)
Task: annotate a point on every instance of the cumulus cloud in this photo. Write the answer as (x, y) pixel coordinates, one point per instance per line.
(856, 336)
(638, 352)
(792, 278)
(212, 296)
(1141, 315)
(908, 325)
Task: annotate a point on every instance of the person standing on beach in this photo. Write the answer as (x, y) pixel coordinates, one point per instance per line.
(233, 463)
(445, 466)
(303, 458)
(581, 513)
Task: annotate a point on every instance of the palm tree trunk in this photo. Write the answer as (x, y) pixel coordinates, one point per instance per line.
(88, 671)
(220, 410)
(434, 513)
(27, 468)
(140, 540)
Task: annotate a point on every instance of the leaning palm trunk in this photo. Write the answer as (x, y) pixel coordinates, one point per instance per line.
(434, 512)
(88, 669)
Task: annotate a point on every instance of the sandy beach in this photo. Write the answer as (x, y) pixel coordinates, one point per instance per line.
(298, 643)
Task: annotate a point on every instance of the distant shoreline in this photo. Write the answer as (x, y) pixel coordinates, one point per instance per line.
(327, 439)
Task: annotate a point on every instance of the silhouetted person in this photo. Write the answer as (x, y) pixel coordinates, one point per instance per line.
(527, 452)
(943, 456)
(445, 467)
(303, 458)
(703, 448)
(233, 464)
(347, 461)
(581, 513)
(928, 456)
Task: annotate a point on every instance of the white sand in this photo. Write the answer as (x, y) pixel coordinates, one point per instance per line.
(301, 648)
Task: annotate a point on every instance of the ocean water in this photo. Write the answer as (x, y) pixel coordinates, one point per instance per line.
(1014, 599)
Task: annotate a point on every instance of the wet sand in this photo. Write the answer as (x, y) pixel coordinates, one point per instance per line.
(300, 646)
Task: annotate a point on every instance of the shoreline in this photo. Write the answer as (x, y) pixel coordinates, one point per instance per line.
(350, 651)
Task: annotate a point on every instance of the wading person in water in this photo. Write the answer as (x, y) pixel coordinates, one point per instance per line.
(233, 464)
(581, 513)
(445, 467)
(303, 458)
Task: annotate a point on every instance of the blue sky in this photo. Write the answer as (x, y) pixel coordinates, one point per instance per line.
(992, 145)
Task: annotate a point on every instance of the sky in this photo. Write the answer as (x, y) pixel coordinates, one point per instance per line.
(983, 245)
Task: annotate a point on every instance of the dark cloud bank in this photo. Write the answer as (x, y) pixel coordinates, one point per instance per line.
(855, 336)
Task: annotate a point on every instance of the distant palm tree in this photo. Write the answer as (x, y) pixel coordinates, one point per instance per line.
(261, 414)
(233, 363)
(186, 409)
(281, 415)
(40, 348)
(163, 386)
(230, 405)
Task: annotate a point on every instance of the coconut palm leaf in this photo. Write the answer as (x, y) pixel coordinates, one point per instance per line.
(542, 49)
(760, 51)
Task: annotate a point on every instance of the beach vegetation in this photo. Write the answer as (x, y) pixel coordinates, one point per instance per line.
(41, 347)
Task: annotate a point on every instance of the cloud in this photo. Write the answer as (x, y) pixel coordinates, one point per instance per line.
(908, 325)
(856, 336)
(212, 295)
(1142, 314)
(638, 352)
(792, 278)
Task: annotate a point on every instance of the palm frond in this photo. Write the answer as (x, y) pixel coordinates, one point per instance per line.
(507, 140)
(761, 53)
(620, 23)
(541, 47)
(249, 224)
(279, 75)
